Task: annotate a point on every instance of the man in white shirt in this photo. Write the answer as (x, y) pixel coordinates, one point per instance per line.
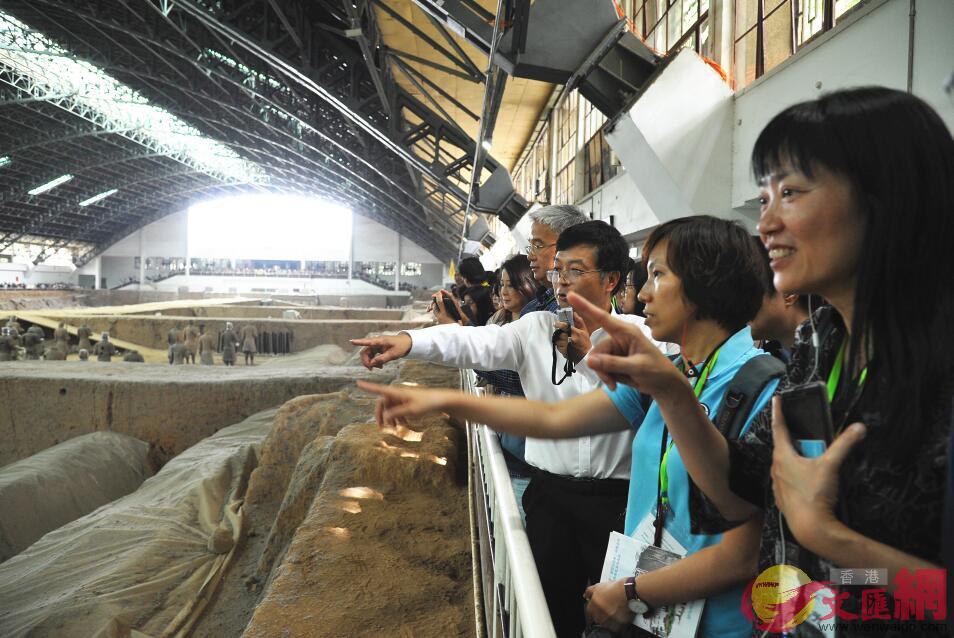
(578, 491)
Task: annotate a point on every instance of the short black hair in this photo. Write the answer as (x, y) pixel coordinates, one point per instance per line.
(472, 271)
(720, 269)
(639, 280)
(480, 295)
(611, 249)
(768, 277)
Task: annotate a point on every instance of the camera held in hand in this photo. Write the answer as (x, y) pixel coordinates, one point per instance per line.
(565, 315)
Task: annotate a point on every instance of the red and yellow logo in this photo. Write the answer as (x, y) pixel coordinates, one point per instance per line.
(780, 598)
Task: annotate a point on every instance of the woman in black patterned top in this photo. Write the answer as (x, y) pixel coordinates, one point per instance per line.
(857, 205)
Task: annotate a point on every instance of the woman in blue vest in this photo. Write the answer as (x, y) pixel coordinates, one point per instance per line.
(703, 287)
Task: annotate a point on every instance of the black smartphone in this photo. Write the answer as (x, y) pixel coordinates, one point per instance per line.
(807, 412)
(450, 307)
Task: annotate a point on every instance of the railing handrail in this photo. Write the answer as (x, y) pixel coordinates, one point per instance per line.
(520, 571)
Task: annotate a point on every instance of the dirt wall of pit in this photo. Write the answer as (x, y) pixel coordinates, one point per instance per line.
(39, 299)
(47, 402)
(152, 331)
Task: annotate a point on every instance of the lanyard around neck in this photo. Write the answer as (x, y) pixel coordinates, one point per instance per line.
(662, 493)
(834, 377)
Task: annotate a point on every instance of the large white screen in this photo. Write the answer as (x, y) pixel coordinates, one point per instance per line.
(269, 227)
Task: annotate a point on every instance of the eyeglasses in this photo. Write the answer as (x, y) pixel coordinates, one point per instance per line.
(570, 276)
(535, 248)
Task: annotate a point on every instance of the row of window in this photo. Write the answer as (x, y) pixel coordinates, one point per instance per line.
(767, 32)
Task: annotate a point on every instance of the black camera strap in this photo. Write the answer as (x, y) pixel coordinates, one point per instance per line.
(568, 368)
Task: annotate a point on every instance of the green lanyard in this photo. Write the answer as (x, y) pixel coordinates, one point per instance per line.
(664, 462)
(835, 376)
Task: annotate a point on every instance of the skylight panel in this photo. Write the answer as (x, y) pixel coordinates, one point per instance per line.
(54, 72)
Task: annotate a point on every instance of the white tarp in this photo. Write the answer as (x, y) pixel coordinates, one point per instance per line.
(146, 564)
(48, 490)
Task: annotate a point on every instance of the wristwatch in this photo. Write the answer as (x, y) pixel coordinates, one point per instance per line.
(636, 604)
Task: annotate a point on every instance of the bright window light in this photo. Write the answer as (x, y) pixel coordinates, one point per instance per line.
(275, 227)
(5, 160)
(54, 74)
(42, 188)
(99, 198)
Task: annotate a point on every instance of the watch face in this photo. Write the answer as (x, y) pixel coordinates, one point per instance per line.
(637, 606)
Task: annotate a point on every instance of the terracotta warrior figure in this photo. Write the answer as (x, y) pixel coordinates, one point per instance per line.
(174, 336)
(206, 347)
(178, 353)
(229, 342)
(133, 356)
(14, 325)
(33, 343)
(55, 351)
(191, 337)
(84, 333)
(249, 333)
(8, 345)
(62, 337)
(83, 354)
(104, 350)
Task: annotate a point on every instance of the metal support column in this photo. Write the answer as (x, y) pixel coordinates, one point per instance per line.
(397, 266)
(142, 259)
(351, 253)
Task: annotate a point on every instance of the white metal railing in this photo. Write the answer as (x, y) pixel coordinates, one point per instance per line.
(513, 601)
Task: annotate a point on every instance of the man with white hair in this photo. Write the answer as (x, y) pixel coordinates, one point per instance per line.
(548, 223)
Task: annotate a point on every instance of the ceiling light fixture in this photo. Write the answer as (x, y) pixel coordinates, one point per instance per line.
(100, 197)
(62, 179)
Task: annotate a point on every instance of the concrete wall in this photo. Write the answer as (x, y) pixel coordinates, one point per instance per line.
(375, 242)
(117, 270)
(163, 238)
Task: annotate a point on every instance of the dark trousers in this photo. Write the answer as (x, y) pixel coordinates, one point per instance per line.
(568, 525)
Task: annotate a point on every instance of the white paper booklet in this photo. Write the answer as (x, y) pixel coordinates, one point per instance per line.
(676, 621)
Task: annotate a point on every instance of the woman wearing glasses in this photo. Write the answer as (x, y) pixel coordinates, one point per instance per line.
(702, 289)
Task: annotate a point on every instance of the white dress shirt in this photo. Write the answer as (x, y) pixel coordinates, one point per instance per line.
(525, 346)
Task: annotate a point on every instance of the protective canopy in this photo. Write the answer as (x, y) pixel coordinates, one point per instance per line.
(150, 560)
(47, 490)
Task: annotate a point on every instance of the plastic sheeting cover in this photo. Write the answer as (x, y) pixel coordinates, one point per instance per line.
(58, 485)
(138, 564)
